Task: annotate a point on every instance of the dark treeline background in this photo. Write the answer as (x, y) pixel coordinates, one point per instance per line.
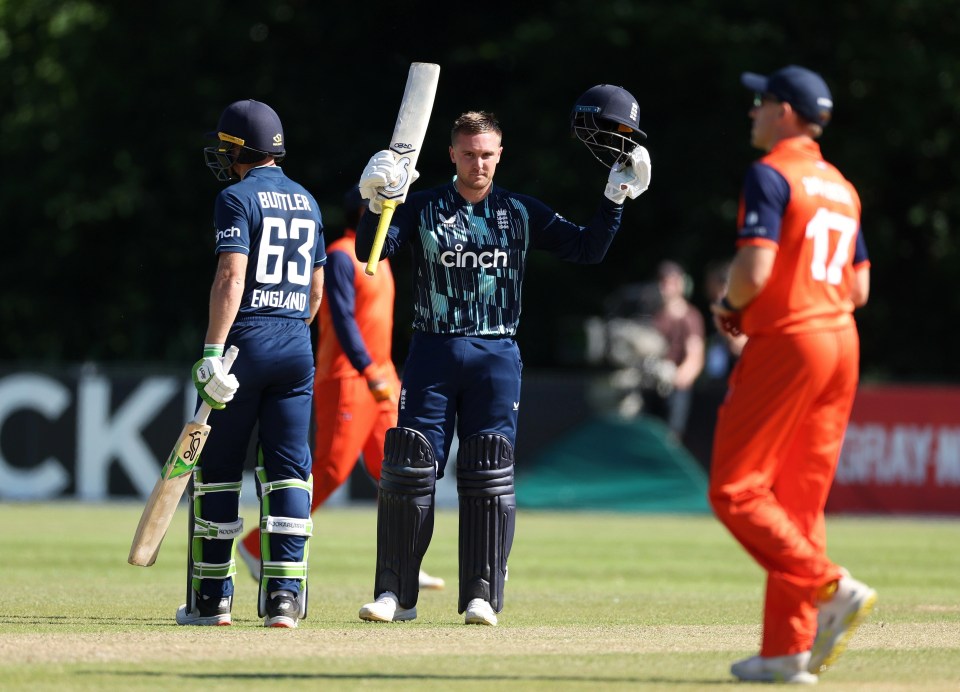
(107, 206)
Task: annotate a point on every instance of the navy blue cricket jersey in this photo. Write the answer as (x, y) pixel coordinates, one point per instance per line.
(277, 223)
(469, 259)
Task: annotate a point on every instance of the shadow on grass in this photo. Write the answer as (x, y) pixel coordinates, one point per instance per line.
(454, 678)
(73, 620)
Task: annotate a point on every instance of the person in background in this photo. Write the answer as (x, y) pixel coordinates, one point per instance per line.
(681, 324)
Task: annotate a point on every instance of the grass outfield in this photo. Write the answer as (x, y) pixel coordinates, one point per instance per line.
(594, 601)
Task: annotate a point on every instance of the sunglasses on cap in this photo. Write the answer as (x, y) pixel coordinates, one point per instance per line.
(761, 98)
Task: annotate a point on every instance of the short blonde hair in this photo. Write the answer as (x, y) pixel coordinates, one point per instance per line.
(475, 123)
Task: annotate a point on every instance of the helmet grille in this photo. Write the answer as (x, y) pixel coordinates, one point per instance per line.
(609, 142)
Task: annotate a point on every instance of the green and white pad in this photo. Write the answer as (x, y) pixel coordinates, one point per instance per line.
(291, 526)
(206, 530)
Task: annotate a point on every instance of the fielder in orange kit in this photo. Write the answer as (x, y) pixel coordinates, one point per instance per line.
(800, 269)
(356, 384)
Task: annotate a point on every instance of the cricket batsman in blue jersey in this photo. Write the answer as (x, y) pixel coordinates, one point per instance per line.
(265, 293)
(469, 241)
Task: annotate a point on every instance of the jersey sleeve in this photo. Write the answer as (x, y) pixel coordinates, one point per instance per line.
(341, 297)
(860, 255)
(568, 241)
(366, 230)
(766, 194)
(320, 251)
(404, 219)
(231, 221)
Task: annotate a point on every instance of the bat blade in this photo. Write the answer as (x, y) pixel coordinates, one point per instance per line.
(176, 473)
(406, 143)
(166, 494)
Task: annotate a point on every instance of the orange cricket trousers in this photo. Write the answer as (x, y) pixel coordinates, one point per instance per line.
(348, 422)
(775, 452)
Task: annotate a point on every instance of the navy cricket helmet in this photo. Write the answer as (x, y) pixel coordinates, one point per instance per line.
(252, 126)
(606, 118)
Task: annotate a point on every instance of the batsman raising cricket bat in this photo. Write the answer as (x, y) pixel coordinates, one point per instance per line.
(469, 240)
(399, 160)
(174, 477)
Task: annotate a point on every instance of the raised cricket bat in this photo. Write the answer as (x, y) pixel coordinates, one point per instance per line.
(406, 143)
(173, 479)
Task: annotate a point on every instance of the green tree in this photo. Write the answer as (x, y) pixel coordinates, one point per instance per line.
(107, 205)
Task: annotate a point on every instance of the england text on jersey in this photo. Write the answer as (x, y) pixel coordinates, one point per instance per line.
(278, 299)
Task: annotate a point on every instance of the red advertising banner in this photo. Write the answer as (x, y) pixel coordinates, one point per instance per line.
(901, 452)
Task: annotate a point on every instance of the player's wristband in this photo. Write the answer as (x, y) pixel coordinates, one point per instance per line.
(212, 350)
(727, 305)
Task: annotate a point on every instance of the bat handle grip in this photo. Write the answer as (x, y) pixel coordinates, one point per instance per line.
(204, 411)
(229, 357)
(386, 215)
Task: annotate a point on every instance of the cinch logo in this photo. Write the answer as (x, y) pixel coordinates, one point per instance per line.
(472, 260)
(232, 232)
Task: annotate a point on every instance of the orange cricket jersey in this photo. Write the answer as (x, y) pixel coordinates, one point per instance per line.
(809, 287)
(373, 312)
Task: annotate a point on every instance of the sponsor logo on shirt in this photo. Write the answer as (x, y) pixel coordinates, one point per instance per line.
(468, 259)
(232, 232)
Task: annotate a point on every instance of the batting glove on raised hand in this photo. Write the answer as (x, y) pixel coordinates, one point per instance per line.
(629, 179)
(215, 386)
(382, 171)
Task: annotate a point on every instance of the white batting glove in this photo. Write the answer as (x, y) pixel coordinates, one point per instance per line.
(629, 179)
(381, 171)
(215, 386)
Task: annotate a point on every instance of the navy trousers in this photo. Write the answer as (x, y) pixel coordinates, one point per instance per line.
(463, 383)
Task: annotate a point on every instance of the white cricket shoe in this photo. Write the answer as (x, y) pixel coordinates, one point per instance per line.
(479, 612)
(252, 563)
(387, 609)
(838, 619)
(430, 582)
(790, 669)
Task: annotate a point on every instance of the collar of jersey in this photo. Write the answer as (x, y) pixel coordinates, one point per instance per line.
(801, 145)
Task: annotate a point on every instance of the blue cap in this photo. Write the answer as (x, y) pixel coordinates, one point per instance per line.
(803, 89)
